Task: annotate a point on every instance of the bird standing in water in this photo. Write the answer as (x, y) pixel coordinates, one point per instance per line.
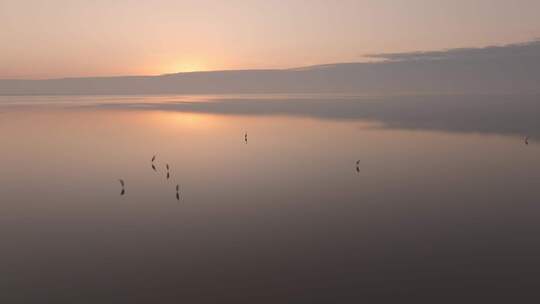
(153, 165)
(358, 166)
(178, 192)
(245, 137)
(526, 140)
(123, 187)
(168, 173)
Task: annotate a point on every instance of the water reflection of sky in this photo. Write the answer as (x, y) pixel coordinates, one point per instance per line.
(498, 114)
(283, 217)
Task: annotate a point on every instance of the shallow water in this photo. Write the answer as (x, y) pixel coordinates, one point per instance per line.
(433, 213)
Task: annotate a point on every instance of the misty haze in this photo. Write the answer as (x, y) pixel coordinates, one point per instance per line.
(269, 152)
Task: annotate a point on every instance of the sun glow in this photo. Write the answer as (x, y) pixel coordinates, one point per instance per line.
(185, 67)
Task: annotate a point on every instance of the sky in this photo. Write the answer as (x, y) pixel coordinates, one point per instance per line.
(79, 38)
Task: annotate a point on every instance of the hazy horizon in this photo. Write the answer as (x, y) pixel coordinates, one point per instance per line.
(511, 68)
(368, 58)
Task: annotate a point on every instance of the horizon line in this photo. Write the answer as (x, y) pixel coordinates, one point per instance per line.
(373, 58)
(299, 68)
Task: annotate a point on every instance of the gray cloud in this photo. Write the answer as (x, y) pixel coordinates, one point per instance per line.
(504, 69)
(526, 50)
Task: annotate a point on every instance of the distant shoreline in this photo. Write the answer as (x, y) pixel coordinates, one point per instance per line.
(509, 69)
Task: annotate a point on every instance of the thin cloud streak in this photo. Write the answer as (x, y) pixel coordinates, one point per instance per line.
(519, 50)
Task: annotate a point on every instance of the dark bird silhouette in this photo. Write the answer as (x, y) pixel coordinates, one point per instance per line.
(154, 167)
(168, 175)
(245, 138)
(358, 166)
(123, 187)
(153, 158)
(527, 140)
(178, 192)
(167, 166)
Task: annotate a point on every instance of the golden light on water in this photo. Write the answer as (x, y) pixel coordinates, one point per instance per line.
(185, 120)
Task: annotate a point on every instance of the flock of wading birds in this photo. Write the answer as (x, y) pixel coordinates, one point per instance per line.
(167, 167)
(123, 183)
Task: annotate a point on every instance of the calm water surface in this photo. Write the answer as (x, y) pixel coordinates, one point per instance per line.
(433, 214)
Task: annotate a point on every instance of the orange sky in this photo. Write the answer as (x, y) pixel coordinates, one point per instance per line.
(66, 38)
